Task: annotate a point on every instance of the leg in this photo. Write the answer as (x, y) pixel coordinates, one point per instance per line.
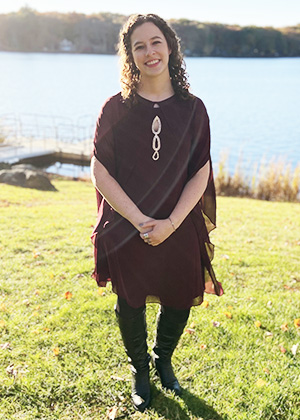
(170, 325)
(132, 323)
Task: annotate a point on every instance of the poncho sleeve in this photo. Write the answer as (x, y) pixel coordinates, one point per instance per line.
(104, 152)
(104, 149)
(199, 156)
(200, 146)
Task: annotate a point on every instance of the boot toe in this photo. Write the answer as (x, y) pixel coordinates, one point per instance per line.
(141, 393)
(175, 387)
(167, 376)
(140, 403)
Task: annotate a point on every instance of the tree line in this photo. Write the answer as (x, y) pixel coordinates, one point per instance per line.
(30, 31)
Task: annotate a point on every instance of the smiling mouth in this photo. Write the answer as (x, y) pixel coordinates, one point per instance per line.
(152, 62)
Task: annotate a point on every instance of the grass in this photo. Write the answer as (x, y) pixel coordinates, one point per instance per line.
(63, 359)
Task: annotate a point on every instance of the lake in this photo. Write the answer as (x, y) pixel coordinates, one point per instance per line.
(253, 103)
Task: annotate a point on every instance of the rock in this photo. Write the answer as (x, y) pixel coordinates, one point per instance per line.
(4, 165)
(26, 178)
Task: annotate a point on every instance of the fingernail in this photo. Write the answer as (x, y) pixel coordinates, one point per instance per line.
(141, 224)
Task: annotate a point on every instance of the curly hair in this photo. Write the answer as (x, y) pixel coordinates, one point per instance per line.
(130, 74)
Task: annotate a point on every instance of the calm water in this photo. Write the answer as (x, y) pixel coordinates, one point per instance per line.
(253, 104)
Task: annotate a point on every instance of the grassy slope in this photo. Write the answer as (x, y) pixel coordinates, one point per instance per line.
(46, 251)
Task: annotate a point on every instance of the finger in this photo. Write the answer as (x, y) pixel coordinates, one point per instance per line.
(145, 236)
(149, 220)
(149, 224)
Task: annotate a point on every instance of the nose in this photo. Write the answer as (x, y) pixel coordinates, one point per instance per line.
(149, 50)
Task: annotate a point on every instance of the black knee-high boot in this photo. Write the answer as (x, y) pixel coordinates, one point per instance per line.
(134, 335)
(169, 330)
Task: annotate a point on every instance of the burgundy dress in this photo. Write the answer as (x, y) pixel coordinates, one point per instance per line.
(176, 272)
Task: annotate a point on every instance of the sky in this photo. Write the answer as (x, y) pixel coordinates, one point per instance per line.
(276, 13)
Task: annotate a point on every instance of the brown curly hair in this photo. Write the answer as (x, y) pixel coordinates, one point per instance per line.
(130, 74)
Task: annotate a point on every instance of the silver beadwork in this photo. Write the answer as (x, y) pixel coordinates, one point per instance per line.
(156, 129)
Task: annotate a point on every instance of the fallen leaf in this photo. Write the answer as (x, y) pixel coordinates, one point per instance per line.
(56, 351)
(68, 295)
(269, 304)
(2, 323)
(205, 304)
(3, 307)
(10, 370)
(230, 307)
(297, 322)
(112, 413)
(36, 254)
(294, 349)
(260, 383)
(225, 257)
(268, 334)
(36, 332)
(216, 324)
(35, 313)
(46, 329)
(117, 378)
(266, 370)
(203, 346)
(228, 314)
(282, 349)
(5, 346)
(190, 330)
(37, 292)
(37, 308)
(284, 327)
(100, 291)
(257, 324)
(192, 325)
(26, 302)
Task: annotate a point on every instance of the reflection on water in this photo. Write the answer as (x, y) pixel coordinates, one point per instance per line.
(66, 169)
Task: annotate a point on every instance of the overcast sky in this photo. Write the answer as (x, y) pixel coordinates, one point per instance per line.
(275, 13)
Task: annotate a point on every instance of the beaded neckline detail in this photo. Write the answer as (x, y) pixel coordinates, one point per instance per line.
(156, 129)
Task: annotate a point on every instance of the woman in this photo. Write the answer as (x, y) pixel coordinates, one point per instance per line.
(152, 171)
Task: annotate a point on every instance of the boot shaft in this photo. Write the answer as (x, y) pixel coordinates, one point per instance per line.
(169, 331)
(134, 336)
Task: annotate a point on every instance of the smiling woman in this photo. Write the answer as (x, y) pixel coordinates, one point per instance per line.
(152, 171)
(138, 40)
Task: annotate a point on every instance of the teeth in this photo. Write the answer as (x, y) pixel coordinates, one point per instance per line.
(152, 62)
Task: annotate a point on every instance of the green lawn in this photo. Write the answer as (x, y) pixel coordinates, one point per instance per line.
(63, 359)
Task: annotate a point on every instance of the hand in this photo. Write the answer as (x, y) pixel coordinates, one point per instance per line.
(145, 221)
(157, 231)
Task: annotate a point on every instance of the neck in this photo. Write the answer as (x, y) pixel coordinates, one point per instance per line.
(154, 89)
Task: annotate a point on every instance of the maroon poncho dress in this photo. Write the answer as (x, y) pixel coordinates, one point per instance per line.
(178, 271)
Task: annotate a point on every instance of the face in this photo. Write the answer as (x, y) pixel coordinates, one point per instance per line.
(150, 51)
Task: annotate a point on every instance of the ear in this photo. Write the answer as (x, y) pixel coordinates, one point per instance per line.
(170, 51)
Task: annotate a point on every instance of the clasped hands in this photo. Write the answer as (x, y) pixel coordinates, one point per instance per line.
(154, 232)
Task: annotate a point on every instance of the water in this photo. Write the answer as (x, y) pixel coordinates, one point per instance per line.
(253, 103)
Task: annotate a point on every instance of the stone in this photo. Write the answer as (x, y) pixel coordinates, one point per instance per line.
(26, 178)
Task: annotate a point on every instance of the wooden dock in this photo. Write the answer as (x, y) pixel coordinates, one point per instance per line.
(43, 153)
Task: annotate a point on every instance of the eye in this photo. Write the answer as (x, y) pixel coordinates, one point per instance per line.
(156, 42)
(139, 47)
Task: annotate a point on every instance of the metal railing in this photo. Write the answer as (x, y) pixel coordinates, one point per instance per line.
(21, 133)
(38, 126)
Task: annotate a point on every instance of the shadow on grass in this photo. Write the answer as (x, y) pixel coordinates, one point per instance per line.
(171, 408)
